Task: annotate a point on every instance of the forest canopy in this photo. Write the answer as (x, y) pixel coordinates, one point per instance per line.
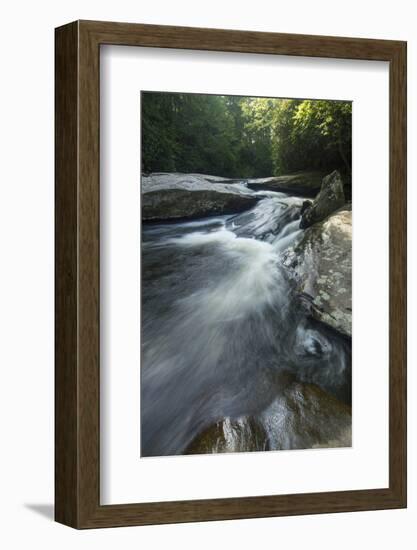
(244, 137)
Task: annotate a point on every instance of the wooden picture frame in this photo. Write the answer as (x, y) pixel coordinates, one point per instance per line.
(77, 382)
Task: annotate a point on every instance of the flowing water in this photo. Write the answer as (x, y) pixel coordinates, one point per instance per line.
(223, 331)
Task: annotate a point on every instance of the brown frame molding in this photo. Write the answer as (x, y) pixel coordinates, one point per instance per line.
(77, 359)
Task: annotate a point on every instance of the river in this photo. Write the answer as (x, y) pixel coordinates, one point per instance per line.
(224, 334)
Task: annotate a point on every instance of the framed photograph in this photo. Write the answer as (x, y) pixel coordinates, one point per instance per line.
(230, 274)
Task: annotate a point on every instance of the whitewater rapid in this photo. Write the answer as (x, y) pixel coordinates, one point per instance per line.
(223, 331)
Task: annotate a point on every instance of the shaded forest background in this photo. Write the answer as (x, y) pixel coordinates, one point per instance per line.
(244, 137)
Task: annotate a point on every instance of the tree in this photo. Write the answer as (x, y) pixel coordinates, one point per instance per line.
(243, 137)
(329, 122)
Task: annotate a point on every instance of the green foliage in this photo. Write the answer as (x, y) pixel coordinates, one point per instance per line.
(325, 130)
(187, 133)
(243, 136)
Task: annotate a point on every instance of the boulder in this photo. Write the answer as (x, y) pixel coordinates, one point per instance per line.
(175, 196)
(160, 177)
(304, 417)
(321, 265)
(230, 436)
(330, 198)
(301, 183)
(301, 416)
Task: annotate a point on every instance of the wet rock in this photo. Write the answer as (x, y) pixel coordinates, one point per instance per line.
(229, 436)
(330, 198)
(300, 183)
(174, 196)
(304, 417)
(305, 206)
(321, 265)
